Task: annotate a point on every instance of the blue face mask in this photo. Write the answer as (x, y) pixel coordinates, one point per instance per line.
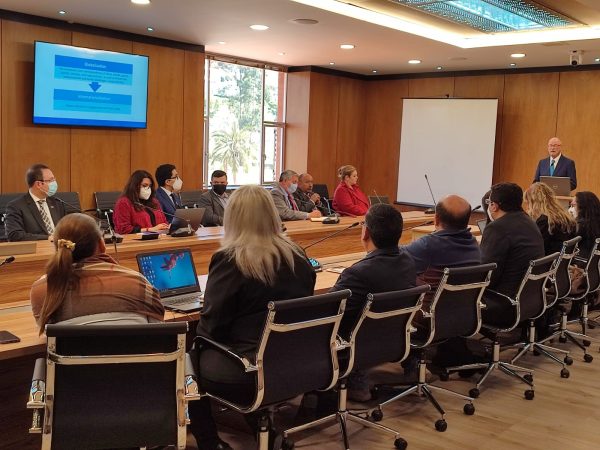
(52, 188)
(293, 188)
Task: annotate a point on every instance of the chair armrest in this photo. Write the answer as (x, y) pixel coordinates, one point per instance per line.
(492, 293)
(579, 262)
(227, 351)
(37, 391)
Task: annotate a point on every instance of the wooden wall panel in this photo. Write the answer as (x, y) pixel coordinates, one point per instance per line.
(162, 141)
(297, 114)
(431, 87)
(529, 120)
(23, 143)
(383, 120)
(577, 125)
(193, 120)
(94, 148)
(488, 86)
(351, 124)
(323, 126)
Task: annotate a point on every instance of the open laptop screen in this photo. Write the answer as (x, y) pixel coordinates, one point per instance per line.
(171, 272)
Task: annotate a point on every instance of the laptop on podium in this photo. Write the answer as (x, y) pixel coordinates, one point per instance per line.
(560, 185)
(173, 274)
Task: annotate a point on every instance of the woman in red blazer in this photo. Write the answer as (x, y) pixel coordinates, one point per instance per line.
(137, 210)
(348, 199)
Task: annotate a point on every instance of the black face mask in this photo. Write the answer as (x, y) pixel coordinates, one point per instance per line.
(219, 189)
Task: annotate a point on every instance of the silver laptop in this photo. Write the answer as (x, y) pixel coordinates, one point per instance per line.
(185, 216)
(173, 274)
(560, 185)
(374, 199)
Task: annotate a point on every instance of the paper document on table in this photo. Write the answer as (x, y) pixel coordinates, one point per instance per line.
(335, 269)
(318, 219)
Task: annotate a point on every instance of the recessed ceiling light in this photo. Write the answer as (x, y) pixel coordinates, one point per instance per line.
(518, 55)
(597, 60)
(347, 46)
(221, 42)
(140, 2)
(281, 53)
(62, 12)
(305, 21)
(332, 63)
(512, 64)
(150, 29)
(373, 71)
(259, 27)
(439, 68)
(414, 61)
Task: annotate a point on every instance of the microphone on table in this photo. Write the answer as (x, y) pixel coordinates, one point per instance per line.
(430, 210)
(332, 218)
(377, 196)
(476, 208)
(315, 264)
(180, 232)
(7, 260)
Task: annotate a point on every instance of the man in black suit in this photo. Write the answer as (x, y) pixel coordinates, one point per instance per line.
(385, 268)
(170, 185)
(510, 240)
(214, 200)
(34, 216)
(558, 165)
(306, 199)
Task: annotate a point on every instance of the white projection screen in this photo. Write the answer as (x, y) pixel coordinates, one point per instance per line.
(450, 140)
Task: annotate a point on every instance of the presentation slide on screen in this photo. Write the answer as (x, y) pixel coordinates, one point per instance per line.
(78, 86)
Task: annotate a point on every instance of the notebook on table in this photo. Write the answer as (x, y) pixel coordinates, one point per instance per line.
(173, 274)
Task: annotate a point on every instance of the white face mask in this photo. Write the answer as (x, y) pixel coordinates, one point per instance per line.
(177, 184)
(145, 193)
(573, 212)
(489, 213)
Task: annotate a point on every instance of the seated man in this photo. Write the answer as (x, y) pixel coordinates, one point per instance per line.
(306, 199)
(511, 240)
(34, 216)
(385, 268)
(167, 194)
(214, 200)
(283, 197)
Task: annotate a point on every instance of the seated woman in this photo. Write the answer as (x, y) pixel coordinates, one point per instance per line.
(554, 222)
(137, 210)
(83, 282)
(256, 264)
(585, 208)
(348, 199)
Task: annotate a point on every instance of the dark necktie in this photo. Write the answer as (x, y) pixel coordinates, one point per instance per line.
(552, 167)
(45, 218)
(175, 200)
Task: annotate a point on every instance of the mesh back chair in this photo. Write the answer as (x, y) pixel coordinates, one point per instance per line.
(557, 288)
(105, 204)
(297, 353)
(528, 303)
(111, 387)
(380, 335)
(71, 199)
(455, 311)
(591, 278)
(5, 199)
(190, 199)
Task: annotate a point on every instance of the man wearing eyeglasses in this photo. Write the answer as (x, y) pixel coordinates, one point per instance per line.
(170, 185)
(34, 216)
(557, 165)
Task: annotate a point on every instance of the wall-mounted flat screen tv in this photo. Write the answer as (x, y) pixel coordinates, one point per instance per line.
(84, 87)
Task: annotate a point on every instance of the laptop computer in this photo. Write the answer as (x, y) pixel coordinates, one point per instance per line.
(183, 216)
(374, 199)
(560, 185)
(173, 274)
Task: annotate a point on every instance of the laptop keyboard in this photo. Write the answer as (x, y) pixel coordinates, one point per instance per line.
(194, 298)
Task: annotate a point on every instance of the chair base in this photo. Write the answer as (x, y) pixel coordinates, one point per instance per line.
(507, 368)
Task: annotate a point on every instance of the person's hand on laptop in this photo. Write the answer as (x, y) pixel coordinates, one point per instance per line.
(157, 228)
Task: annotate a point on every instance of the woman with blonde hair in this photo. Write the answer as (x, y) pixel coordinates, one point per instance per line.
(554, 222)
(256, 264)
(348, 199)
(82, 281)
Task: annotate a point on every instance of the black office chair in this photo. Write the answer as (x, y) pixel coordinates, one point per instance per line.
(116, 386)
(190, 199)
(380, 335)
(105, 204)
(71, 199)
(5, 199)
(557, 288)
(297, 353)
(455, 311)
(327, 202)
(529, 303)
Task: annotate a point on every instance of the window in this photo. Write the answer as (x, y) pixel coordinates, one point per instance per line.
(244, 121)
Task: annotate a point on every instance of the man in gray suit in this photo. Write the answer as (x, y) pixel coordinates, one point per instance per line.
(214, 200)
(34, 216)
(283, 197)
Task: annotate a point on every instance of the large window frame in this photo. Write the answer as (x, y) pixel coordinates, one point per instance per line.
(278, 127)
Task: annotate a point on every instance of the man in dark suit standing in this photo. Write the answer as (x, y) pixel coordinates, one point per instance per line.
(170, 185)
(557, 165)
(34, 216)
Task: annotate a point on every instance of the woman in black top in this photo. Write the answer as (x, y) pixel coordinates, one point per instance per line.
(585, 207)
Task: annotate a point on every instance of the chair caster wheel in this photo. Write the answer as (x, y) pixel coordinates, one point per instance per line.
(444, 375)
(441, 425)
(474, 393)
(536, 353)
(528, 377)
(588, 358)
(586, 343)
(377, 415)
(568, 360)
(529, 394)
(400, 444)
(287, 444)
(469, 409)
(562, 339)
(564, 373)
